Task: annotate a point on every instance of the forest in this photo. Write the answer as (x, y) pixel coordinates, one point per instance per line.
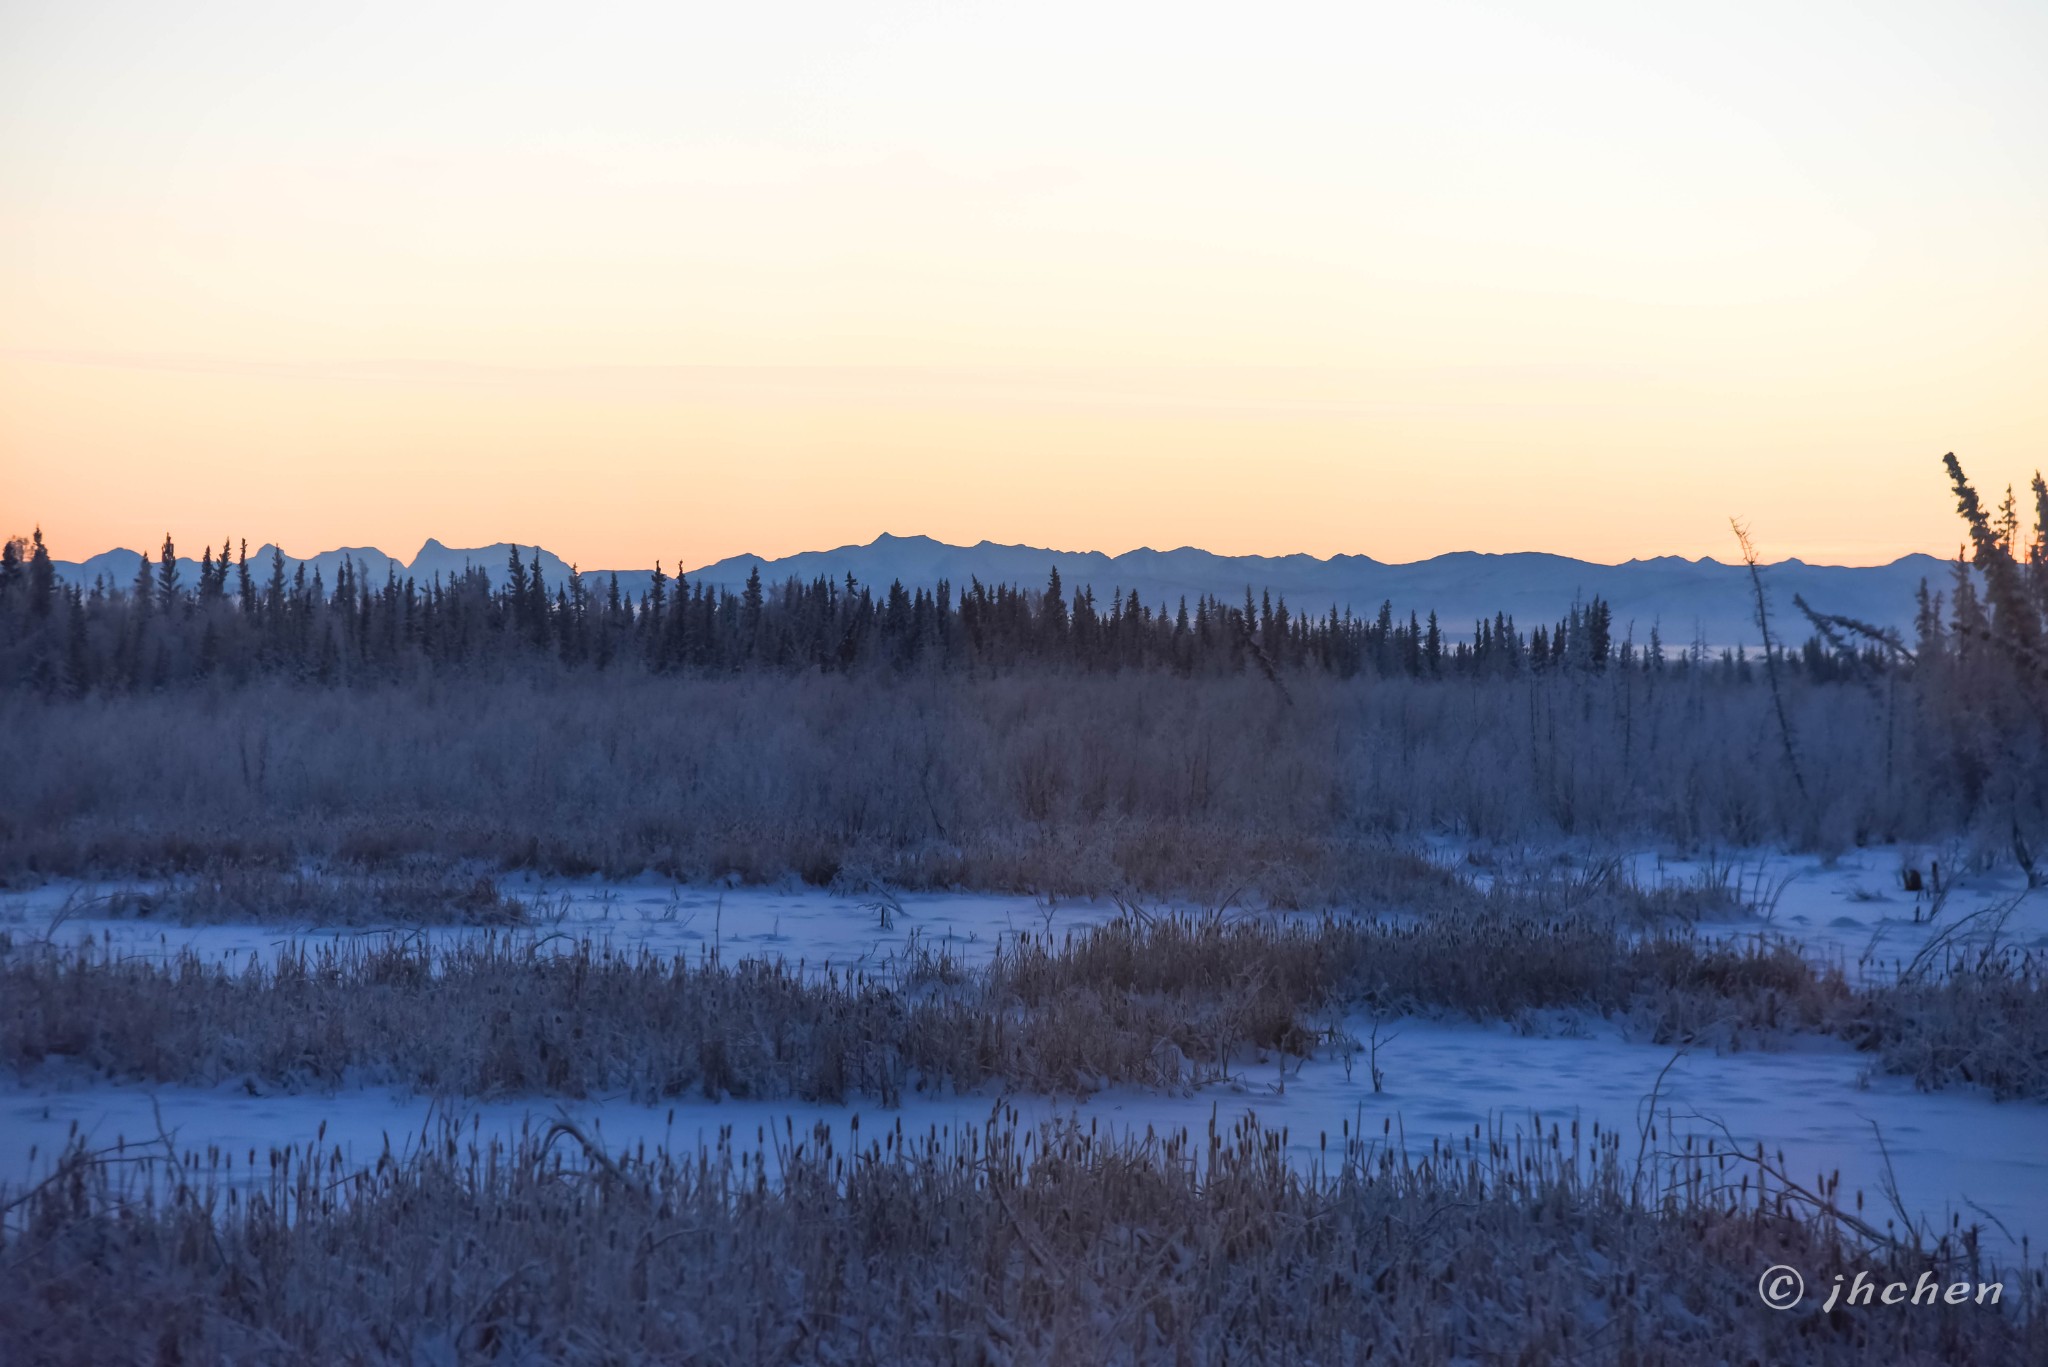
(998, 737)
(242, 623)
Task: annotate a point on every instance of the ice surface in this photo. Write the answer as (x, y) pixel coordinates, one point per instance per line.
(816, 927)
(1852, 910)
(1953, 1153)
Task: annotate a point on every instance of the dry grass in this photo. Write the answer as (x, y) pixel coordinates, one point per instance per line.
(1496, 959)
(997, 1246)
(1166, 1001)
(1160, 1000)
(502, 1018)
(1980, 1020)
(421, 895)
(1033, 782)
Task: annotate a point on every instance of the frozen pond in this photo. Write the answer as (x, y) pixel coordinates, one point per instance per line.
(1953, 1155)
(808, 925)
(1854, 912)
(1851, 911)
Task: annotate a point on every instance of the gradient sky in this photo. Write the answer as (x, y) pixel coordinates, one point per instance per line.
(682, 281)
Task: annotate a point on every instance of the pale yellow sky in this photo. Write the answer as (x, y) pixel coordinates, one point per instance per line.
(685, 281)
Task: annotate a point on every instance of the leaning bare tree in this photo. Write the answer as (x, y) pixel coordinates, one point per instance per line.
(2005, 689)
(1763, 624)
(1983, 676)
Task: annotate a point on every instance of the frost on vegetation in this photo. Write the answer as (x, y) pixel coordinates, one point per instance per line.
(1002, 1242)
(1159, 1000)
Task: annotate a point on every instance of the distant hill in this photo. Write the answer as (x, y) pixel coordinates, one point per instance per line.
(118, 566)
(1690, 598)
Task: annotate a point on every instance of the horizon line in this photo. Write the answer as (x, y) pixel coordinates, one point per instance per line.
(1337, 559)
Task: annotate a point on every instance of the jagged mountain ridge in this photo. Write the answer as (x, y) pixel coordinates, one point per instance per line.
(1704, 599)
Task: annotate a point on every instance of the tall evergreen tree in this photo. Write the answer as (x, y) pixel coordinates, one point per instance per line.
(13, 574)
(1055, 606)
(42, 578)
(167, 588)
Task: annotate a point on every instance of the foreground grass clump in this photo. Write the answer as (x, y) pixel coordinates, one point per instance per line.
(998, 1245)
(1981, 1019)
(484, 1019)
(1490, 961)
(501, 1017)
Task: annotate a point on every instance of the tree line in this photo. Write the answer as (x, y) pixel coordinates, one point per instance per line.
(240, 621)
(996, 736)
(1985, 639)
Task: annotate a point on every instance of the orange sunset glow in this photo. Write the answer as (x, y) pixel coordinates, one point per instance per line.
(680, 282)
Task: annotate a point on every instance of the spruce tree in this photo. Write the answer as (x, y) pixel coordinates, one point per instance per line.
(515, 590)
(42, 578)
(1055, 609)
(750, 612)
(77, 659)
(167, 576)
(143, 590)
(13, 577)
(2011, 620)
(536, 604)
(1599, 632)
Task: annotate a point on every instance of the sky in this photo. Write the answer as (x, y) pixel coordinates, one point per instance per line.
(683, 281)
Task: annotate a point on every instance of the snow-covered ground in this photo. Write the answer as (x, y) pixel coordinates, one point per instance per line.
(1951, 1154)
(1852, 910)
(808, 925)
